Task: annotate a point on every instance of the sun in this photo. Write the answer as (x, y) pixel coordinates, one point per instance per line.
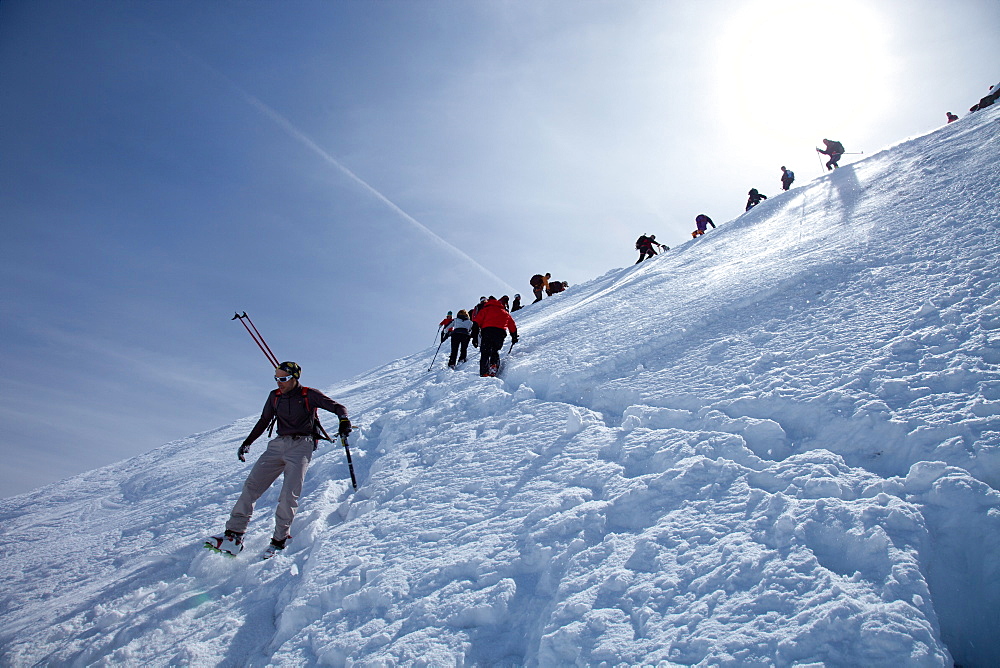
(791, 68)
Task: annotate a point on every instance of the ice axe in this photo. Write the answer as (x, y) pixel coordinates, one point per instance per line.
(350, 464)
(347, 449)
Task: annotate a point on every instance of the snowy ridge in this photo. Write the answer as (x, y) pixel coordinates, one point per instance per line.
(777, 444)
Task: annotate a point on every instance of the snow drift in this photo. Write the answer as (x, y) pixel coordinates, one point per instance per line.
(778, 444)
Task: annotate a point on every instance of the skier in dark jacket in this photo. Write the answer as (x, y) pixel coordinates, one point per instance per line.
(516, 306)
(755, 198)
(644, 245)
(834, 149)
(702, 221)
(787, 176)
(489, 329)
(292, 407)
(460, 332)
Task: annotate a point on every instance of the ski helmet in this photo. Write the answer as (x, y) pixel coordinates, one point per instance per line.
(292, 368)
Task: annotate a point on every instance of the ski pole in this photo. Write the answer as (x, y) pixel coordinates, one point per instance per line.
(257, 338)
(501, 362)
(350, 464)
(273, 357)
(435, 355)
(437, 333)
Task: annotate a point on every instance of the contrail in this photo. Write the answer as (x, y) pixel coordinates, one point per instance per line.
(297, 134)
(294, 132)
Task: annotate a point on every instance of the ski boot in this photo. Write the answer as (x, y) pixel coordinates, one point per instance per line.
(274, 548)
(229, 544)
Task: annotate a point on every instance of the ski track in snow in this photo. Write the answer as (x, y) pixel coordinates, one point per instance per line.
(778, 444)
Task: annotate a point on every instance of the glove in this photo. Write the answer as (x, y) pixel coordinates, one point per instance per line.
(242, 452)
(345, 427)
(513, 338)
(475, 343)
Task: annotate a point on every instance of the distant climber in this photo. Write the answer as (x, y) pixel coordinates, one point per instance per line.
(644, 245)
(489, 329)
(702, 221)
(475, 309)
(834, 149)
(460, 333)
(556, 287)
(443, 325)
(787, 177)
(538, 284)
(951, 117)
(516, 306)
(755, 198)
(988, 100)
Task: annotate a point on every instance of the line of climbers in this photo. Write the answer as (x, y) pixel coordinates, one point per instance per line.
(485, 326)
(644, 244)
(487, 323)
(834, 149)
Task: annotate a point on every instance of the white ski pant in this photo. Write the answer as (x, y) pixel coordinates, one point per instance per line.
(284, 454)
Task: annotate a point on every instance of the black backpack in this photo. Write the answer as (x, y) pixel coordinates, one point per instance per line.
(536, 280)
(318, 433)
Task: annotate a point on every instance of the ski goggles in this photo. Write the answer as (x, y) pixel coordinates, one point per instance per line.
(283, 379)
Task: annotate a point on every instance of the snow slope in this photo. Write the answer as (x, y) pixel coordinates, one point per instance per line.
(778, 444)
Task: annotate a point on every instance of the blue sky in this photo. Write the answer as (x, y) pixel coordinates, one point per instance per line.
(346, 172)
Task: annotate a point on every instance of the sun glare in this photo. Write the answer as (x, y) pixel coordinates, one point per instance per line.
(797, 68)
